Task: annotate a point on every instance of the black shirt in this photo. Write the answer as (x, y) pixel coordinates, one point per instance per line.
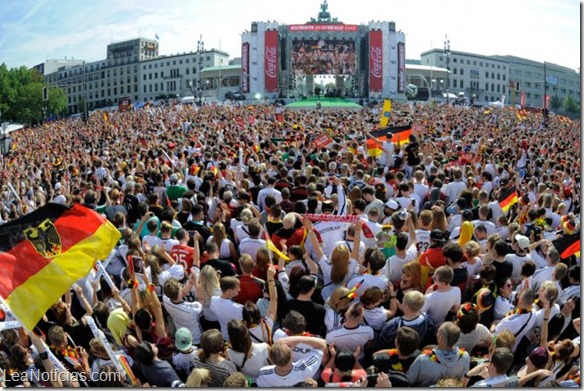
(225, 267)
(504, 270)
(313, 313)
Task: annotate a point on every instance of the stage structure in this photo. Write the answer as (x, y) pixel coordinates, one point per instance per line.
(324, 57)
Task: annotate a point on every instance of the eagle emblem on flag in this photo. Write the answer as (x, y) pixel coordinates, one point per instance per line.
(44, 238)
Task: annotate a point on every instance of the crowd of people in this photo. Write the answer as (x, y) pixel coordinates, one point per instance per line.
(251, 257)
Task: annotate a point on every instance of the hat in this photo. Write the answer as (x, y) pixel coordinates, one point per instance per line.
(60, 199)
(485, 299)
(183, 339)
(144, 353)
(461, 202)
(58, 186)
(392, 204)
(176, 271)
(522, 242)
(437, 235)
(173, 178)
(539, 357)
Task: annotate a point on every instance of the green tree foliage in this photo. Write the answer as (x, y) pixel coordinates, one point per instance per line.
(21, 96)
(555, 103)
(570, 105)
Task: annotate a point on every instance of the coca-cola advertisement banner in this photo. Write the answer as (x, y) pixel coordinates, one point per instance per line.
(522, 101)
(271, 61)
(401, 67)
(375, 61)
(245, 67)
(323, 27)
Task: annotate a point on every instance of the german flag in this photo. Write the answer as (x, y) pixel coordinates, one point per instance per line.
(401, 134)
(44, 252)
(568, 245)
(271, 246)
(507, 198)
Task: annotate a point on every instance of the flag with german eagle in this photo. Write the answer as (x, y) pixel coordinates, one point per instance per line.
(400, 136)
(507, 199)
(568, 245)
(44, 252)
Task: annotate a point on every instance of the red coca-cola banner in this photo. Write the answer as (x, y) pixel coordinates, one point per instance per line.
(245, 67)
(522, 100)
(375, 61)
(323, 27)
(271, 61)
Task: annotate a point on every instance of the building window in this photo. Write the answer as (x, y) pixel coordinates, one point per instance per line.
(462, 71)
(462, 84)
(180, 61)
(498, 76)
(504, 89)
(174, 62)
(498, 88)
(188, 71)
(149, 66)
(440, 59)
(454, 60)
(187, 60)
(486, 75)
(454, 83)
(480, 63)
(156, 75)
(150, 76)
(145, 89)
(498, 66)
(454, 71)
(504, 77)
(467, 62)
(492, 87)
(486, 86)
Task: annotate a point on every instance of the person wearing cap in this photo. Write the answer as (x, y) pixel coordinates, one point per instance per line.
(186, 352)
(174, 190)
(520, 245)
(156, 372)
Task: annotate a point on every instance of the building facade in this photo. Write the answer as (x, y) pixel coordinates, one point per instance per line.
(488, 78)
(527, 77)
(484, 77)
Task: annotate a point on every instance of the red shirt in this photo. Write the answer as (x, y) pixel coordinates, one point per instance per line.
(250, 288)
(183, 255)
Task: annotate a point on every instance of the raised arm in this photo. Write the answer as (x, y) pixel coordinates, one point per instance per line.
(313, 239)
(273, 292)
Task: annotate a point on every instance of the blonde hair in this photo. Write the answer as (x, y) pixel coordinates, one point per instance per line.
(209, 281)
(414, 269)
(340, 262)
(289, 220)
(246, 215)
(472, 248)
(219, 234)
(337, 301)
(280, 354)
(199, 377)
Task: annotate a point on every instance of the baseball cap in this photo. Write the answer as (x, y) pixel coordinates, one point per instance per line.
(175, 271)
(539, 357)
(437, 235)
(183, 338)
(58, 186)
(522, 241)
(392, 204)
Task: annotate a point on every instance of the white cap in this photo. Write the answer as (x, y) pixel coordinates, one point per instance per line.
(522, 242)
(392, 204)
(58, 186)
(60, 199)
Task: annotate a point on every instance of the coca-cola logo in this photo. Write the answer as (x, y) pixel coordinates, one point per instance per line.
(376, 56)
(271, 61)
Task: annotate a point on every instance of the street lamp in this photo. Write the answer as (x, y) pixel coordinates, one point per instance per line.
(447, 55)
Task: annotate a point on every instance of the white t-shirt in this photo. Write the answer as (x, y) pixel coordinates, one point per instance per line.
(332, 320)
(437, 304)
(185, 314)
(257, 359)
(250, 246)
(422, 240)
(225, 310)
(517, 261)
(381, 281)
(473, 269)
(375, 318)
(394, 264)
(468, 341)
(301, 370)
(167, 244)
(300, 352)
(184, 361)
(350, 339)
(149, 241)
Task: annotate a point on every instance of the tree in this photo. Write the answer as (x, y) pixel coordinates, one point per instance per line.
(555, 103)
(21, 97)
(571, 106)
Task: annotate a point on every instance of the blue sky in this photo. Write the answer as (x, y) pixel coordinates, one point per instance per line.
(32, 31)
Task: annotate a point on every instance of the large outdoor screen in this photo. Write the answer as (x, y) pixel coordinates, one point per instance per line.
(323, 57)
